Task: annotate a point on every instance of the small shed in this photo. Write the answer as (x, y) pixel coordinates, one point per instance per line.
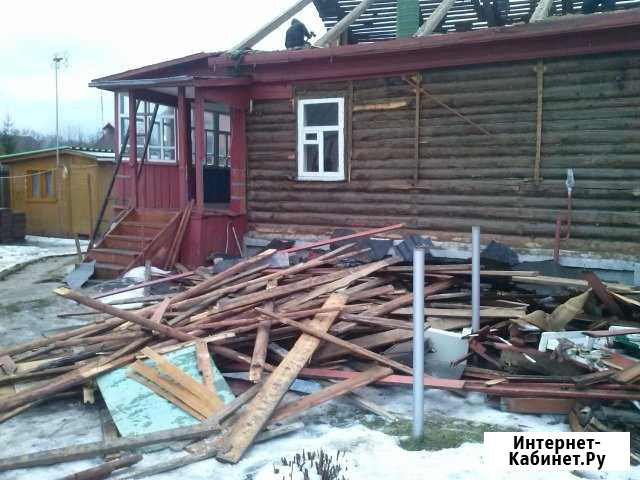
(60, 198)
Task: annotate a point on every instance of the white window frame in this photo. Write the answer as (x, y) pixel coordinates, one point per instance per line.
(145, 111)
(321, 175)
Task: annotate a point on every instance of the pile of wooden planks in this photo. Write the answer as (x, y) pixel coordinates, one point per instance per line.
(327, 318)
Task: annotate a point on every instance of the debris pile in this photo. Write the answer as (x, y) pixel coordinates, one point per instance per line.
(212, 359)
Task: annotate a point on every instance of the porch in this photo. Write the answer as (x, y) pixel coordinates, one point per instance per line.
(186, 144)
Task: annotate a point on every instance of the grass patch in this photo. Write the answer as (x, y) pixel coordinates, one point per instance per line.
(440, 432)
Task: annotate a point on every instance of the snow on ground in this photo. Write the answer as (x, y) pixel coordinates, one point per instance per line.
(35, 248)
(370, 453)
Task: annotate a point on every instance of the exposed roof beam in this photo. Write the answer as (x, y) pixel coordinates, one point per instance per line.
(542, 11)
(435, 19)
(254, 38)
(343, 24)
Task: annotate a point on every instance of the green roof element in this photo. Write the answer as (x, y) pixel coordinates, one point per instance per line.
(408, 18)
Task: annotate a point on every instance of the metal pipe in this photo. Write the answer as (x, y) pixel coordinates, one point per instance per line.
(475, 279)
(418, 343)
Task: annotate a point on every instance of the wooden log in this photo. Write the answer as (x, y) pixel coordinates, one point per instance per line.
(253, 419)
(124, 314)
(375, 340)
(351, 347)
(366, 233)
(106, 469)
(262, 341)
(174, 251)
(329, 393)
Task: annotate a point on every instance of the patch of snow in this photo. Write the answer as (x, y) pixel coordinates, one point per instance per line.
(35, 248)
(135, 275)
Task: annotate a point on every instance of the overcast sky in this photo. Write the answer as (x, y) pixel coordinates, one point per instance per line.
(102, 38)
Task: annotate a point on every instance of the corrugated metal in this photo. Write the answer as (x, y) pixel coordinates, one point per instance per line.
(591, 116)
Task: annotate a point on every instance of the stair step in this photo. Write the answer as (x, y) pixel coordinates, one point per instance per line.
(108, 270)
(144, 225)
(131, 238)
(116, 251)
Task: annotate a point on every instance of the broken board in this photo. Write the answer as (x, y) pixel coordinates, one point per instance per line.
(136, 410)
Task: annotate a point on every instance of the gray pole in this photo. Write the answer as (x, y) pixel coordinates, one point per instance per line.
(418, 343)
(56, 66)
(475, 279)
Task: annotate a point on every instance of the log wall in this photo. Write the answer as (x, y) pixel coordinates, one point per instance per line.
(590, 119)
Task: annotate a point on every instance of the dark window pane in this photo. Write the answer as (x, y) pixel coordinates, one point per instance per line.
(209, 143)
(311, 154)
(48, 185)
(311, 136)
(169, 154)
(321, 115)
(223, 148)
(331, 151)
(225, 122)
(35, 186)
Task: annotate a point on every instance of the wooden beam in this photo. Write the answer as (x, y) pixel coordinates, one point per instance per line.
(204, 364)
(540, 92)
(255, 416)
(124, 314)
(262, 341)
(255, 37)
(542, 11)
(106, 469)
(351, 347)
(337, 30)
(346, 386)
(435, 19)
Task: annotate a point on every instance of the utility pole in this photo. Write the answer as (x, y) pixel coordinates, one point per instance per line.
(56, 67)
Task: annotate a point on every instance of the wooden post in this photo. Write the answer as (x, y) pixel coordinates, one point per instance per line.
(435, 19)
(199, 140)
(416, 138)
(184, 148)
(540, 82)
(337, 30)
(133, 147)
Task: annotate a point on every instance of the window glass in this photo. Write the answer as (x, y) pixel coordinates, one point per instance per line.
(311, 157)
(169, 154)
(169, 133)
(35, 184)
(223, 145)
(49, 191)
(321, 115)
(225, 122)
(331, 152)
(208, 121)
(155, 153)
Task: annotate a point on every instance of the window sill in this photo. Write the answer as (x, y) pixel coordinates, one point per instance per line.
(42, 200)
(152, 162)
(319, 179)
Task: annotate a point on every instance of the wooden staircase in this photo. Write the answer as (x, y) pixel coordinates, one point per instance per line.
(136, 236)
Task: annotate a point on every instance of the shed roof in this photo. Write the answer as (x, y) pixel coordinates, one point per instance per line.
(100, 155)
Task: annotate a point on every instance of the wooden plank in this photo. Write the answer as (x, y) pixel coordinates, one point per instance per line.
(391, 105)
(331, 392)
(536, 405)
(628, 375)
(174, 251)
(487, 312)
(185, 380)
(257, 413)
(204, 365)
(160, 310)
(262, 341)
(435, 19)
(375, 340)
(345, 281)
(406, 299)
(366, 233)
(174, 393)
(272, 25)
(88, 450)
(570, 283)
(351, 347)
(123, 314)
